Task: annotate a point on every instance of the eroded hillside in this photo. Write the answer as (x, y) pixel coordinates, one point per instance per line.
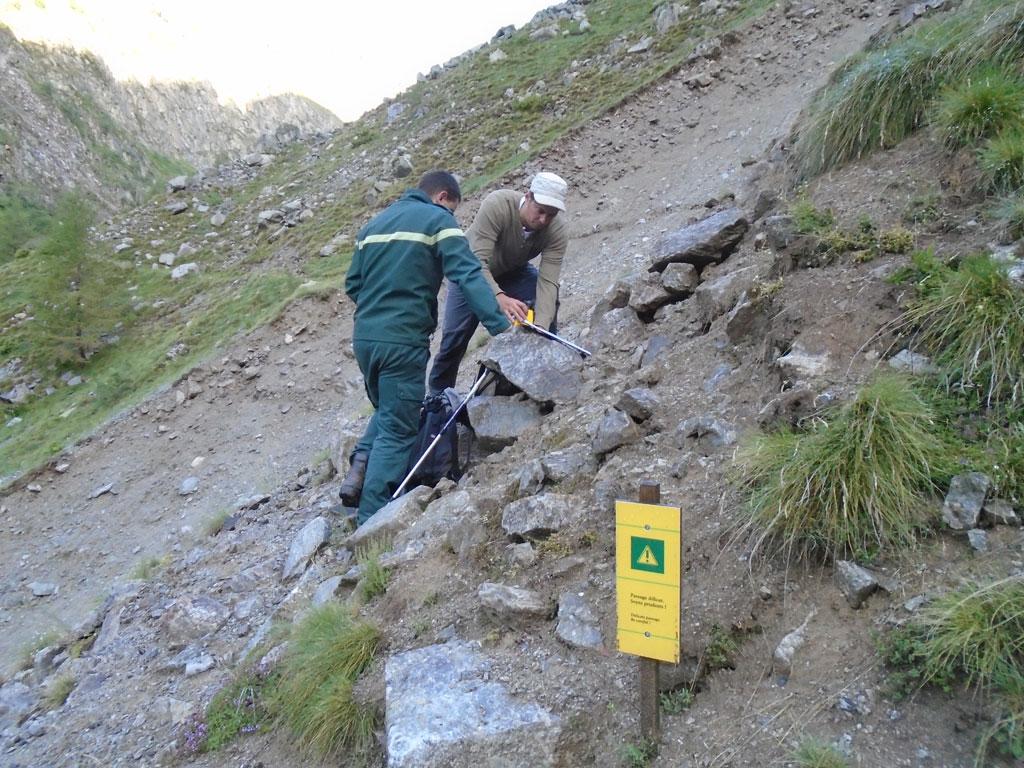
(171, 537)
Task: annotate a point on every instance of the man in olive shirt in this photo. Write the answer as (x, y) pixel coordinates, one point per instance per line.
(510, 229)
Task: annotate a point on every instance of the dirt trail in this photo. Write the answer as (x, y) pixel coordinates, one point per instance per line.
(635, 173)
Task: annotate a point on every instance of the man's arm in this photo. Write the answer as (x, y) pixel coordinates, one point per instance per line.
(484, 234)
(547, 281)
(462, 267)
(354, 277)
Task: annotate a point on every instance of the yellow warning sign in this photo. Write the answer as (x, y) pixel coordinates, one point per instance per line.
(647, 571)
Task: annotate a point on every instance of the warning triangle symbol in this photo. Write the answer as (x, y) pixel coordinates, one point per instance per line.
(647, 557)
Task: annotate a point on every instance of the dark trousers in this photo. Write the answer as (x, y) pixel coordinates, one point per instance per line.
(460, 323)
(393, 375)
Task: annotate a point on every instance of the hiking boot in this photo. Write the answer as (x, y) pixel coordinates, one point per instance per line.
(352, 486)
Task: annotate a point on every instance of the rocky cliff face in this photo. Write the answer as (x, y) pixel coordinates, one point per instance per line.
(66, 122)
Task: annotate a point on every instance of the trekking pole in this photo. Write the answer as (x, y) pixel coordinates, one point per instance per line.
(554, 337)
(451, 419)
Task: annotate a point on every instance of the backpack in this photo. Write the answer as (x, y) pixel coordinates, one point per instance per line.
(444, 459)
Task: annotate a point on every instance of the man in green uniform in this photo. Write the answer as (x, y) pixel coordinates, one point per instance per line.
(399, 260)
(509, 230)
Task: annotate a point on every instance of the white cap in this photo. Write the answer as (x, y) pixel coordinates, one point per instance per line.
(549, 189)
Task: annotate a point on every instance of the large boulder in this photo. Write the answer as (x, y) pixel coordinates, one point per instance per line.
(538, 516)
(393, 518)
(445, 710)
(709, 241)
(617, 329)
(544, 369)
(499, 421)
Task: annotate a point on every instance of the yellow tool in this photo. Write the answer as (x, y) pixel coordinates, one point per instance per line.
(529, 318)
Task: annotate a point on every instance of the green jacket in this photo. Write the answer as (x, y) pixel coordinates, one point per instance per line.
(400, 258)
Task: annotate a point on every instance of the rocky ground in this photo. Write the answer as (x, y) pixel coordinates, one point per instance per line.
(253, 434)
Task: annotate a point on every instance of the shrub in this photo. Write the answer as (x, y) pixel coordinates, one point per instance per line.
(313, 695)
(639, 755)
(813, 753)
(1002, 161)
(676, 701)
(972, 320)
(809, 220)
(855, 482)
(979, 107)
(720, 649)
(896, 241)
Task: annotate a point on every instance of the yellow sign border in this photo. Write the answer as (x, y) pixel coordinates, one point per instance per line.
(647, 603)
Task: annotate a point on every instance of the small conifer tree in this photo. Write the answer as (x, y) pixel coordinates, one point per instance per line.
(80, 299)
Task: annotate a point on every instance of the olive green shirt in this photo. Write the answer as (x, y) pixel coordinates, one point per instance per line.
(499, 241)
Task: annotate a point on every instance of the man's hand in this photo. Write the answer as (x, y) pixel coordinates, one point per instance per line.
(514, 309)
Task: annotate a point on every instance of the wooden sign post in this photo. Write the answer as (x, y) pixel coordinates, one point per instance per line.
(647, 573)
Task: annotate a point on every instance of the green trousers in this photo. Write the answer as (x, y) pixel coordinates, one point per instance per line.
(394, 377)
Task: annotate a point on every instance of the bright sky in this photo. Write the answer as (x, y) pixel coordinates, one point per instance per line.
(345, 55)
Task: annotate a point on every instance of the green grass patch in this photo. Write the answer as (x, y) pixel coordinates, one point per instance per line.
(313, 695)
(813, 753)
(234, 710)
(375, 577)
(149, 567)
(855, 482)
(808, 219)
(881, 96)
(719, 651)
(1002, 161)
(676, 701)
(971, 637)
(979, 107)
(639, 755)
(976, 632)
(1010, 215)
(58, 690)
(972, 320)
(214, 524)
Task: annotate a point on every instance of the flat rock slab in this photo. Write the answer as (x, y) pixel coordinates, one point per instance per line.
(306, 543)
(538, 516)
(511, 605)
(393, 518)
(444, 712)
(709, 241)
(545, 370)
(499, 421)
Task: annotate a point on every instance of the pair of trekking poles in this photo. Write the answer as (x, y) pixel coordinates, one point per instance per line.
(485, 378)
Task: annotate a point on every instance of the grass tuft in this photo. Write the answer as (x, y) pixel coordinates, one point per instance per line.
(1002, 161)
(974, 635)
(1010, 214)
(313, 696)
(881, 96)
(234, 710)
(813, 753)
(977, 631)
(979, 107)
(972, 320)
(58, 690)
(375, 577)
(853, 484)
